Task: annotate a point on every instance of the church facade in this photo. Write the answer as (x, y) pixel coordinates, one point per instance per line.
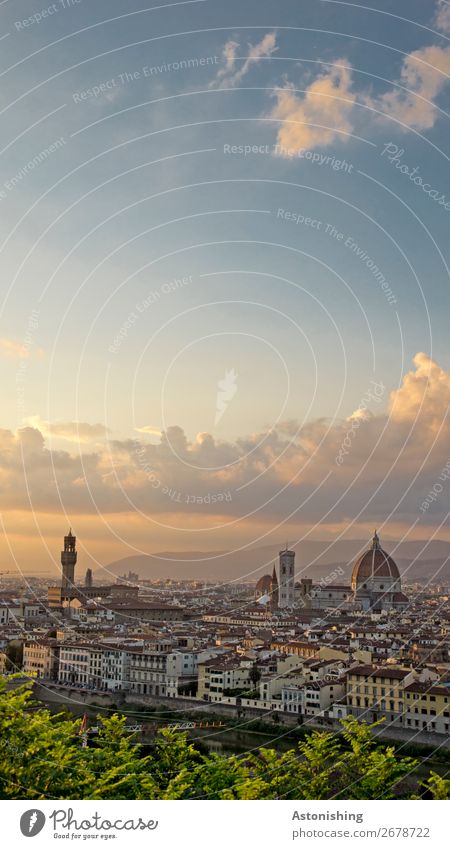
(375, 585)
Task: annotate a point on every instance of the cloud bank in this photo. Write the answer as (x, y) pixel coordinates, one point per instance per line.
(389, 462)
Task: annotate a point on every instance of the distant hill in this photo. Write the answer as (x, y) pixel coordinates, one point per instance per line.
(419, 560)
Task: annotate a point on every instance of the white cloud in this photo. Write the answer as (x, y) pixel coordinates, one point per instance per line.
(229, 53)
(230, 75)
(442, 16)
(79, 432)
(149, 429)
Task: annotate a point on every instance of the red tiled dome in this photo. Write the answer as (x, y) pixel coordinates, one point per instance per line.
(264, 585)
(374, 563)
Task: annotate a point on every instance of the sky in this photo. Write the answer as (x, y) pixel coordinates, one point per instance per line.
(224, 286)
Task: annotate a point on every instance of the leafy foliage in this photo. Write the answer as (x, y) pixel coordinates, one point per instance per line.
(42, 757)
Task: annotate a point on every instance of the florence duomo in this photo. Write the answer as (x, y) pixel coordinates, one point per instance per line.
(375, 585)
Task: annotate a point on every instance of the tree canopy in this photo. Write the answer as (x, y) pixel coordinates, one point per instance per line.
(42, 757)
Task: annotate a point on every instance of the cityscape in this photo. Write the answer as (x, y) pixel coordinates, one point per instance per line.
(281, 649)
(225, 422)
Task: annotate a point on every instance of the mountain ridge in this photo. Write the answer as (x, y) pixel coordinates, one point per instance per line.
(416, 560)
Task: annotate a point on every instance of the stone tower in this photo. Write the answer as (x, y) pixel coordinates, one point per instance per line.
(286, 584)
(68, 560)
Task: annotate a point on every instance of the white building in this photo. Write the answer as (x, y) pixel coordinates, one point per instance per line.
(115, 667)
(312, 698)
(148, 671)
(182, 670)
(74, 664)
(102, 667)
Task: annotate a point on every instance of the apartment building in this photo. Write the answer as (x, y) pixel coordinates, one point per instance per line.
(182, 670)
(313, 697)
(74, 664)
(375, 692)
(288, 669)
(41, 658)
(297, 647)
(103, 667)
(148, 672)
(116, 667)
(427, 706)
(222, 676)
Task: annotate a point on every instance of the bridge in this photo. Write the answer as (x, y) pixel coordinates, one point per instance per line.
(146, 728)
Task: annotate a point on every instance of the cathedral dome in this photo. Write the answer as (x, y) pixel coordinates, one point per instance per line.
(374, 564)
(264, 585)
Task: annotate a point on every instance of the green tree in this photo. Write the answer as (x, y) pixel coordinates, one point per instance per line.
(254, 675)
(42, 757)
(14, 656)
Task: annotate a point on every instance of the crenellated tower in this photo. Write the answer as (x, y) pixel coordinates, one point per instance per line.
(68, 560)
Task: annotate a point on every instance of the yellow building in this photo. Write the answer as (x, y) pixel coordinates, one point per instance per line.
(374, 692)
(40, 658)
(427, 706)
(297, 647)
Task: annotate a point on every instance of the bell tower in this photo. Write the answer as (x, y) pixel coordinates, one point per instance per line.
(68, 560)
(286, 586)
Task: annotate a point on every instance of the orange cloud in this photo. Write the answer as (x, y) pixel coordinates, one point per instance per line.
(321, 115)
(11, 349)
(424, 74)
(325, 112)
(79, 432)
(424, 394)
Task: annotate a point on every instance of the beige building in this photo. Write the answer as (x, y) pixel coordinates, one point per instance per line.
(133, 612)
(218, 676)
(375, 692)
(41, 658)
(427, 706)
(297, 647)
(289, 670)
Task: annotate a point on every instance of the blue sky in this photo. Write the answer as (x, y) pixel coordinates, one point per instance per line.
(269, 263)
